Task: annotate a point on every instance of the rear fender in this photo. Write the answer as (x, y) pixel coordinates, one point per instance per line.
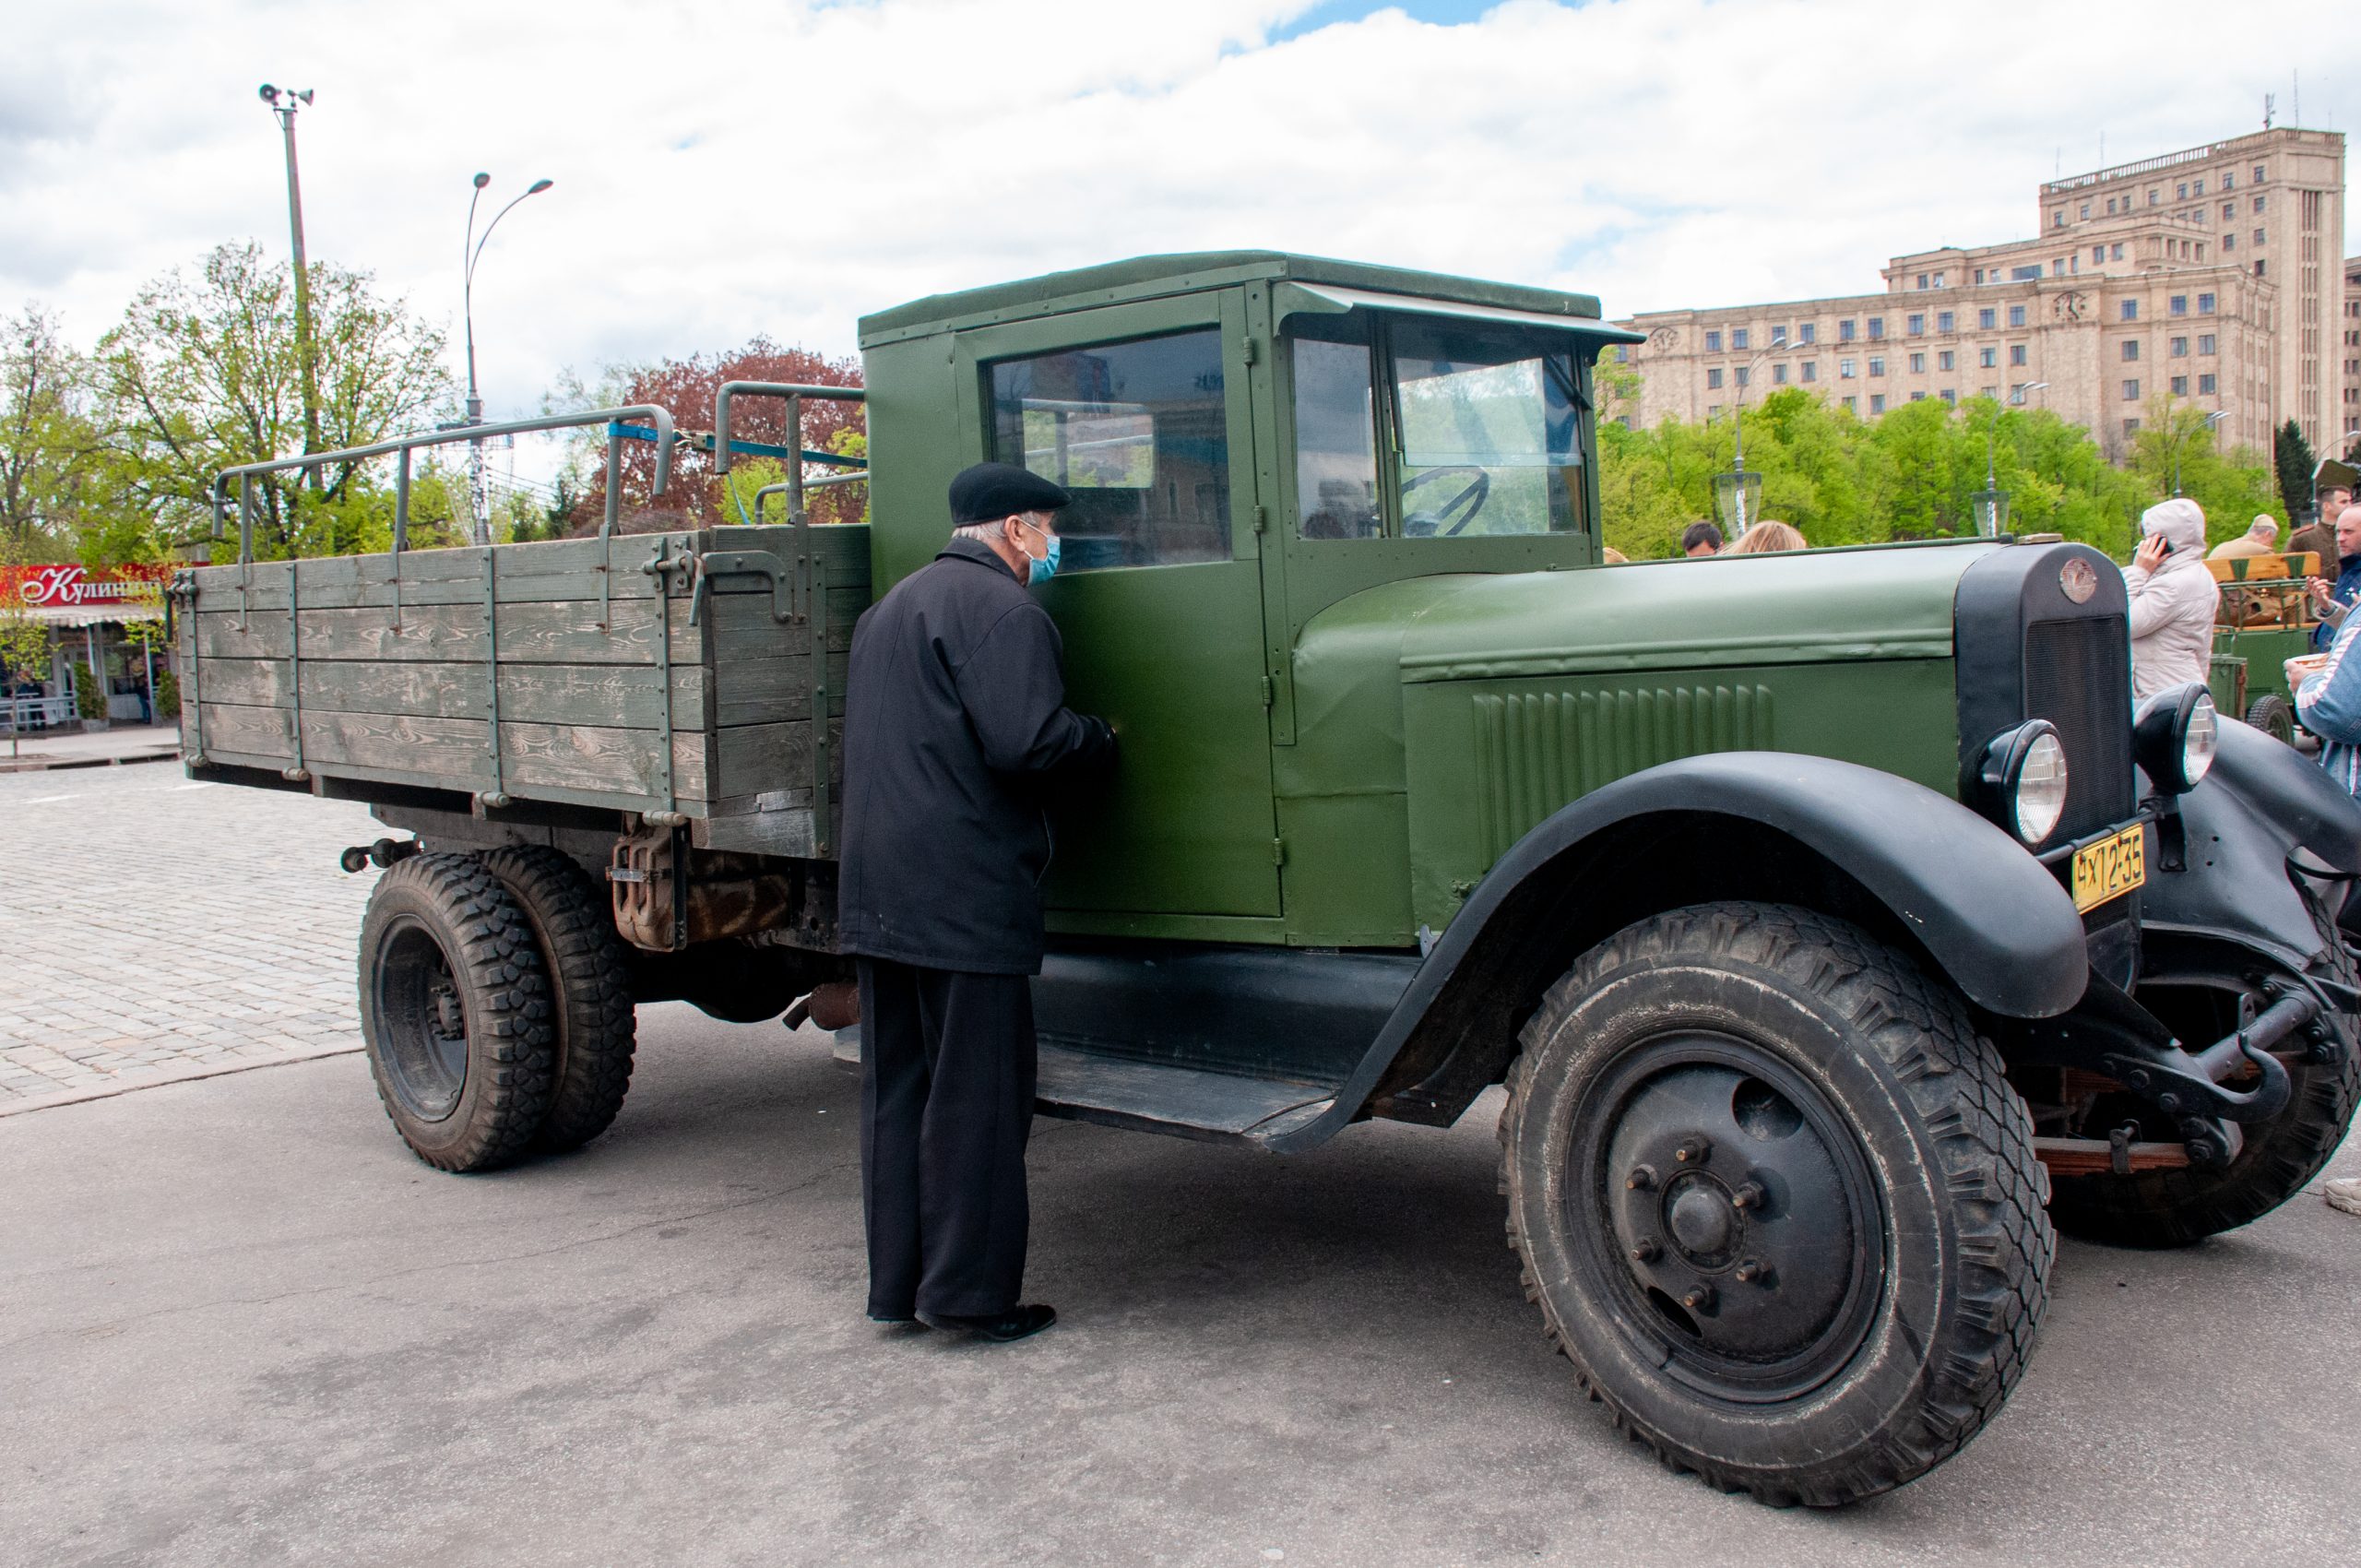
(1916, 867)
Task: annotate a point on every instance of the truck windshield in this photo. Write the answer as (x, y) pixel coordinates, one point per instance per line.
(1487, 439)
(1481, 421)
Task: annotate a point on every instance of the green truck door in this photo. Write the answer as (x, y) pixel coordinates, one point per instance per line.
(1142, 412)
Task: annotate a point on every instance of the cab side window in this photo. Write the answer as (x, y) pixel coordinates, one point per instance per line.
(1335, 449)
(1138, 432)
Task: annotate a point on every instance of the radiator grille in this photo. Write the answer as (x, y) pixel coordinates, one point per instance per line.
(1535, 752)
(2078, 675)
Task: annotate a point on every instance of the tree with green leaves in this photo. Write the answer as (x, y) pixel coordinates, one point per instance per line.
(2290, 455)
(50, 449)
(24, 637)
(204, 374)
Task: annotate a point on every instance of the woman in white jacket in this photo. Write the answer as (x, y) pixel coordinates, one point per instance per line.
(2173, 600)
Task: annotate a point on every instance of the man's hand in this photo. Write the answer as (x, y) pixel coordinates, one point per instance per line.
(2322, 594)
(2151, 553)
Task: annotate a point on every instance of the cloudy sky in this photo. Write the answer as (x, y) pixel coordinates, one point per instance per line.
(766, 166)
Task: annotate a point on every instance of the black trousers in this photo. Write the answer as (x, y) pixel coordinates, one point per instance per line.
(947, 1099)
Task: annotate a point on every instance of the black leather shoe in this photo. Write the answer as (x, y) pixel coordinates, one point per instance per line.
(1018, 1322)
(891, 1317)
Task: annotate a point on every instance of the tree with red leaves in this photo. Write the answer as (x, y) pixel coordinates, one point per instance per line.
(697, 497)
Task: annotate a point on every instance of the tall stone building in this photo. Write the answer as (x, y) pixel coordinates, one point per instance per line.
(2214, 276)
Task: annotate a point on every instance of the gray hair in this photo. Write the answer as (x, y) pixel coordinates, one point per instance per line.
(985, 533)
(2265, 528)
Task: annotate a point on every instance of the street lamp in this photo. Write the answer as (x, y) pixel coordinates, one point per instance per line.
(473, 252)
(2017, 393)
(1738, 494)
(1990, 504)
(285, 103)
(2211, 421)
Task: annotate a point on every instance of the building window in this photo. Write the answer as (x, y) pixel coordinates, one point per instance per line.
(2086, 213)
(1918, 365)
(2024, 274)
(1946, 361)
(2258, 206)
(2229, 178)
(1779, 337)
(1713, 341)
(2205, 384)
(1808, 333)
(1779, 374)
(2205, 342)
(2016, 353)
(2229, 210)
(2180, 386)
(2205, 305)
(2131, 313)
(1738, 338)
(2118, 251)
(1979, 275)
(1844, 330)
(1877, 402)
(2229, 242)
(1918, 325)
(2058, 218)
(1852, 405)
(1922, 279)
(1714, 379)
(1917, 397)
(1712, 411)
(1845, 369)
(2154, 196)
(2196, 187)
(1745, 375)
(1987, 319)
(2258, 267)
(2132, 348)
(2179, 305)
(2132, 391)
(2057, 269)
(2180, 192)
(1939, 279)
(2257, 236)
(2098, 254)
(1988, 357)
(1877, 327)
(1812, 370)
(2016, 315)
(1944, 321)
(2257, 177)
(1950, 397)
(1877, 364)
(2131, 427)
(2179, 349)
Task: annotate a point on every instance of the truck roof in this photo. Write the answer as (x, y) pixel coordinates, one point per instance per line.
(1148, 277)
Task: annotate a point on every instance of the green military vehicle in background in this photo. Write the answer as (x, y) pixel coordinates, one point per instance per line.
(1831, 919)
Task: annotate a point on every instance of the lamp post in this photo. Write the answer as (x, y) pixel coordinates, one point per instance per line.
(285, 103)
(1738, 494)
(473, 252)
(2211, 421)
(1990, 504)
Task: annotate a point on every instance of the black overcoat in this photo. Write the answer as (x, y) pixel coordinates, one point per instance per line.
(954, 718)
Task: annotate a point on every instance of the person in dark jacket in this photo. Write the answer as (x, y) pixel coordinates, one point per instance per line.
(2334, 602)
(954, 724)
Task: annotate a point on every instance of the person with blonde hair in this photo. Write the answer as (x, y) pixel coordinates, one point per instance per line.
(1767, 535)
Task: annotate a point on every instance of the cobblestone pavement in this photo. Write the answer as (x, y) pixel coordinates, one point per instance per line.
(153, 929)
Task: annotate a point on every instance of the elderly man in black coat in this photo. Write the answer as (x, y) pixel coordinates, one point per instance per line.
(955, 719)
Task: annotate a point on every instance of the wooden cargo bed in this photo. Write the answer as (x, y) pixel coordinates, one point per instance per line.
(402, 665)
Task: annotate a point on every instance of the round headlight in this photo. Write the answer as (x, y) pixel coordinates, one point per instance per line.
(2024, 775)
(2038, 798)
(2174, 736)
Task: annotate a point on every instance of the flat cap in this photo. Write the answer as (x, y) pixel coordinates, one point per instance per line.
(990, 492)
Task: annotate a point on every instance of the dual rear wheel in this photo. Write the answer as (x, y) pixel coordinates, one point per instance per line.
(496, 1004)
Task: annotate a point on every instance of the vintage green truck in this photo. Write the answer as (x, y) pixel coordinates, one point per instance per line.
(1832, 918)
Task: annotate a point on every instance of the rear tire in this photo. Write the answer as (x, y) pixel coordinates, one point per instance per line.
(455, 1013)
(596, 1028)
(1776, 1201)
(2274, 715)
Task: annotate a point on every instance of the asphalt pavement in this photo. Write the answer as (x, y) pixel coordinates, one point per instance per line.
(238, 1324)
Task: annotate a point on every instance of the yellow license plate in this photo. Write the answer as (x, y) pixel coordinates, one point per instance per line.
(2109, 868)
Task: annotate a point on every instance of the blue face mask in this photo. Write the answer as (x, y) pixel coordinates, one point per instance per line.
(1037, 572)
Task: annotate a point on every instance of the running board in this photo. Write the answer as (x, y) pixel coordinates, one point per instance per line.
(1156, 1096)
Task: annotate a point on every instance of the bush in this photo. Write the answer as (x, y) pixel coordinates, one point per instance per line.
(89, 701)
(168, 696)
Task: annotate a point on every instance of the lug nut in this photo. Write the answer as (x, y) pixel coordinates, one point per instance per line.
(1748, 1272)
(1750, 1194)
(1645, 1252)
(1643, 1177)
(1694, 1150)
(1700, 1300)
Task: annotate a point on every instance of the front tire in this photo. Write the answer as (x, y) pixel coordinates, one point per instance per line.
(1776, 1201)
(455, 1013)
(2274, 715)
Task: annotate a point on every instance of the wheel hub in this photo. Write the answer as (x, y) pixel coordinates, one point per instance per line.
(422, 1023)
(1740, 1212)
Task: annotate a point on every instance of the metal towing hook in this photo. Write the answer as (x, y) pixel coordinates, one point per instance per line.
(2189, 1086)
(382, 853)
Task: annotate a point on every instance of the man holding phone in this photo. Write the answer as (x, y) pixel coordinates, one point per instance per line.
(2173, 600)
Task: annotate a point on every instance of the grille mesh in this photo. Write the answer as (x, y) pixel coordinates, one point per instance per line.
(2078, 675)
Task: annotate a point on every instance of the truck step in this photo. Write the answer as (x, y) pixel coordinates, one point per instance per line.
(1160, 1097)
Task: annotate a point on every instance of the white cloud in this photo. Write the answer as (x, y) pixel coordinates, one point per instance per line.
(727, 170)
